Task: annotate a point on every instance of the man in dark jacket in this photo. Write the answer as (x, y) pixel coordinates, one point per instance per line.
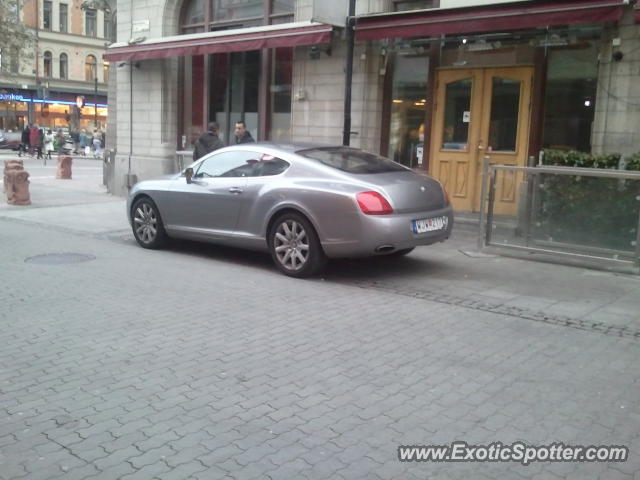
(242, 134)
(208, 142)
(24, 141)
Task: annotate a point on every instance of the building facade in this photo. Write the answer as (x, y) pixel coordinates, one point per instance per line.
(437, 84)
(63, 83)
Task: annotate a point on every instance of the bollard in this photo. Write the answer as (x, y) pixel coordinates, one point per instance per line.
(10, 166)
(17, 182)
(64, 168)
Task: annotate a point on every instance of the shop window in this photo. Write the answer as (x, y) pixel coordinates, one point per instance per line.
(408, 108)
(47, 11)
(570, 97)
(403, 5)
(64, 64)
(91, 22)
(227, 87)
(64, 17)
(47, 64)
(280, 93)
(90, 68)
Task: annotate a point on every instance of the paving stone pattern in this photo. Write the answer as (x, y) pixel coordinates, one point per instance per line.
(184, 365)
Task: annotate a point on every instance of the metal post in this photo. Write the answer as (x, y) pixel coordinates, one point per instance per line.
(348, 77)
(492, 196)
(483, 195)
(95, 99)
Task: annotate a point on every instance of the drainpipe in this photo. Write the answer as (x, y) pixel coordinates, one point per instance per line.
(129, 185)
(130, 122)
(348, 78)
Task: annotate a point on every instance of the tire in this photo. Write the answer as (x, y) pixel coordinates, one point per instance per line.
(295, 247)
(401, 253)
(146, 224)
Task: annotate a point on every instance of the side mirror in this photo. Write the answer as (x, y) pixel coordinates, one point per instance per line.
(188, 174)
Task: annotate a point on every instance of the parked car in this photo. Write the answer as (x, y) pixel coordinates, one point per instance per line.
(10, 139)
(302, 203)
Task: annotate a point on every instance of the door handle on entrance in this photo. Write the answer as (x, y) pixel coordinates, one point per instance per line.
(235, 190)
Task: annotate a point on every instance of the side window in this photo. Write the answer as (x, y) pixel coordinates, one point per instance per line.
(228, 164)
(269, 166)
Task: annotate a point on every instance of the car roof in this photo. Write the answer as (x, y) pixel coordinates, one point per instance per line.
(297, 146)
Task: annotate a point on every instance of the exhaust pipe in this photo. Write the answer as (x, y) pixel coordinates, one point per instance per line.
(385, 249)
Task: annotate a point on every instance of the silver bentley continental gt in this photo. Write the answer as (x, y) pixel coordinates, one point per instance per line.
(301, 203)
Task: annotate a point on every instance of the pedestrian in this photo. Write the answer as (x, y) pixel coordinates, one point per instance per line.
(207, 142)
(34, 138)
(48, 144)
(84, 142)
(97, 142)
(40, 143)
(24, 141)
(75, 136)
(242, 134)
(59, 142)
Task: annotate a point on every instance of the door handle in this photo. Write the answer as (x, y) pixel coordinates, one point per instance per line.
(235, 190)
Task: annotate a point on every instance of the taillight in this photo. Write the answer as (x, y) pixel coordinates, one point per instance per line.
(372, 203)
(447, 200)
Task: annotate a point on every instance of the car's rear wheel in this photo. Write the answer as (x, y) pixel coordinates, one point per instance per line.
(147, 224)
(295, 247)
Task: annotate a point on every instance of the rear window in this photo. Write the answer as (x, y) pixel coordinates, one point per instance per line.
(351, 160)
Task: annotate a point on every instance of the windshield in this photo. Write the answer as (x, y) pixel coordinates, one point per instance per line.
(351, 160)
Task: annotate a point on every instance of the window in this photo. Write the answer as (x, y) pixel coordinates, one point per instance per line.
(64, 61)
(107, 26)
(90, 68)
(64, 17)
(570, 97)
(403, 5)
(270, 166)
(105, 71)
(90, 25)
(47, 10)
(208, 15)
(228, 164)
(351, 160)
(14, 62)
(47, 64)
(407, 106)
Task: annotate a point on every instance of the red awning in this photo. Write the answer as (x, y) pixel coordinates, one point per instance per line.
(239, 40)
(506, 17)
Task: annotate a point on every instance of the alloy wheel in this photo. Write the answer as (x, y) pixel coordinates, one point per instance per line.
(146, 223)
(291, 245)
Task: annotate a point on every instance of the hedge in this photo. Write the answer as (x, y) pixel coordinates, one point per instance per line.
(589, 211)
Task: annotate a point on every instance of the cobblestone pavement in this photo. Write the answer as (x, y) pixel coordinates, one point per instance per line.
(204, 363)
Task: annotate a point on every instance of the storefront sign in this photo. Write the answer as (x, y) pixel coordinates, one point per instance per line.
(13, 96)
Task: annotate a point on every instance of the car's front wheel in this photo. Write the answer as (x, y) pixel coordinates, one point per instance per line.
(295, 247)
(147, 224)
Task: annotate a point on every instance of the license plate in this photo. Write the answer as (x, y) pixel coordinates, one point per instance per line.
(429, 224)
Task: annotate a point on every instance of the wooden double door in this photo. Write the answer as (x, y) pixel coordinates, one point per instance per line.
(478, 112)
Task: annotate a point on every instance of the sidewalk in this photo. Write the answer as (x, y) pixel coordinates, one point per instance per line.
(452, 272)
